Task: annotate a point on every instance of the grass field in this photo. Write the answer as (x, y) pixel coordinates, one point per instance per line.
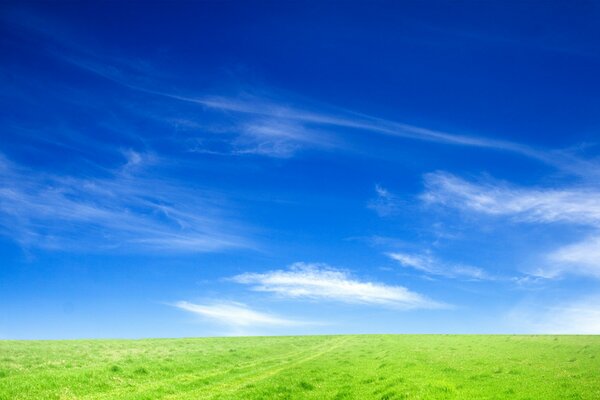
(311, 367)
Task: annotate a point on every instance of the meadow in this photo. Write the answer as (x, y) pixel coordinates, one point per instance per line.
(305, 367)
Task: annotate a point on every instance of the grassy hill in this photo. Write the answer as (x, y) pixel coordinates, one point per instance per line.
(306, 367)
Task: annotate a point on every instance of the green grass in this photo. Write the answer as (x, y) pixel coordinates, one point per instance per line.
(305, 367)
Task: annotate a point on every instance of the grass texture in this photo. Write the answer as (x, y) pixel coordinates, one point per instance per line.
(305, 367)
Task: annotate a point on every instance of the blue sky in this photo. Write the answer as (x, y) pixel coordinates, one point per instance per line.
(228, 168)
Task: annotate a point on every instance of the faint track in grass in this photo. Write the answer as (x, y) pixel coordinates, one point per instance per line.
(227, 373)
(223, 390)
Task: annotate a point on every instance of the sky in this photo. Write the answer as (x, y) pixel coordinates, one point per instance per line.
(281, 168)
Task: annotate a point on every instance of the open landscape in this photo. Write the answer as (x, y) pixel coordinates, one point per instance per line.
(311, 367)
(328, 200)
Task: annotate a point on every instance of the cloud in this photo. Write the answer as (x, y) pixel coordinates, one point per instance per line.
(579, 316)
(571, 205)
(287, 114)
(326, 117)
(432, 266)
(385, 204)
(320, 281)
(120, 210)
(235, 314)
(276, 138)
(581, 258)
(345, 119)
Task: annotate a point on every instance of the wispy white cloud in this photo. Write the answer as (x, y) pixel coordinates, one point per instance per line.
(582, 258)
(346, 119)
(430, 265)
(386, 203)
(120, 210)
(572, 205)
(579, 316)
(320, 281)
(235, 314)
(333, 117)
(290, 126)
(277, 138)
(563, 159)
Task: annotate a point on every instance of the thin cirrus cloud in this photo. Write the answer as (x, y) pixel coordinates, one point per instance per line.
(571, 205)
(277, 138)
(333, 117)
(575, 206)
(235, 314)
(267, 125)
(318, 128)
(430, 265)
(582, 258)
(271, 126)
(264, 125)
(120, 210)
(386, 203)
(322, 282)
